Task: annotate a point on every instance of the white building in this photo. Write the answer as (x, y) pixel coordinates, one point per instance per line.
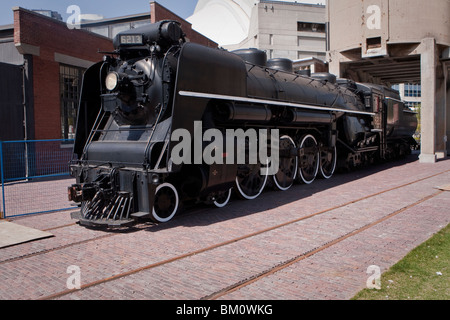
(411, 94)
(284, 29)
(224, 21)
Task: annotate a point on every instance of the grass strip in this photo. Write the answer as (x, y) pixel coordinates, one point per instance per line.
(424, 274)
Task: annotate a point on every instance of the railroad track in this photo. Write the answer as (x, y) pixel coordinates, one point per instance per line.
(265, 273)
(310, 253)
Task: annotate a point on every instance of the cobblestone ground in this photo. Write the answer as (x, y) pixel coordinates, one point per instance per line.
(322, 238)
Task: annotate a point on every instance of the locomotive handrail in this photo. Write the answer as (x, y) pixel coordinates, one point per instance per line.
(162, 110)
(271, 102)
(126, 130)
(96, 125)
(147, 148)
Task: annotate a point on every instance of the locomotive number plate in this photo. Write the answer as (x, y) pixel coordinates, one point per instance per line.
(132, 39)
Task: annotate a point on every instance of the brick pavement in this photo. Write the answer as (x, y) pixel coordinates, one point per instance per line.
(334, 273)
(35, 196)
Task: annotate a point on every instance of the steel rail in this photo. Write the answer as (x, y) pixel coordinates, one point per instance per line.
(312, 252)
(228, 242)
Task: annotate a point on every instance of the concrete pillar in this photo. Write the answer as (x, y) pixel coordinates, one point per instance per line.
(334, 64)
(447, 102)
(429, 61)
(441, 112)
(338, 65)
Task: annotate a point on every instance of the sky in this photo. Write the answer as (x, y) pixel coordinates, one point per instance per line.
(106, 8)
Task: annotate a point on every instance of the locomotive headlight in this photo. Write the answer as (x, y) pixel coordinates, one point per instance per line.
(112, 81)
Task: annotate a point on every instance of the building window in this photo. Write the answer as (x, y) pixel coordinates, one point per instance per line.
(139, 24)
(118, 28)
(70, 89)
(322, 56)
(308, 43)
(373, 43)
(413, 90)
(103, 30)
(311, 27)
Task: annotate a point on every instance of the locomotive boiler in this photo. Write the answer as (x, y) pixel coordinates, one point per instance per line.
(155, 88)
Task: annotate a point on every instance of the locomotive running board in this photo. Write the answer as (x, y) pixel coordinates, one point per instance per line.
(270, 102)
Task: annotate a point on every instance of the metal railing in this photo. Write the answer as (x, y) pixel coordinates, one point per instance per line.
(34, 176)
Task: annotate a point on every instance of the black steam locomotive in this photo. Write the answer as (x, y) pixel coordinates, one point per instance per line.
(156, 84)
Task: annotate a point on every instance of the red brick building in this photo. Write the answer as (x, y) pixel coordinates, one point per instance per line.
(158, 13)
(53, 59)
(56, 57)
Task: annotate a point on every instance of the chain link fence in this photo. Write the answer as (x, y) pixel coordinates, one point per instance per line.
(34, 176)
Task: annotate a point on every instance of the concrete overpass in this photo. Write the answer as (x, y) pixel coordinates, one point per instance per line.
(398, 41)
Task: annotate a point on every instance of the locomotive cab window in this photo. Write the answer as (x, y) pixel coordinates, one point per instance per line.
(70, 89)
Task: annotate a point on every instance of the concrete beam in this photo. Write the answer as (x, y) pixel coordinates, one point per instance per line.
(62, 58)
(24, 49)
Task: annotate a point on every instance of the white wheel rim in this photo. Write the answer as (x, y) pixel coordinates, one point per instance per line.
(275, 180)
(155, 215)
(223, 204)
(334, 166)
(316, 171)
(241, 192)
